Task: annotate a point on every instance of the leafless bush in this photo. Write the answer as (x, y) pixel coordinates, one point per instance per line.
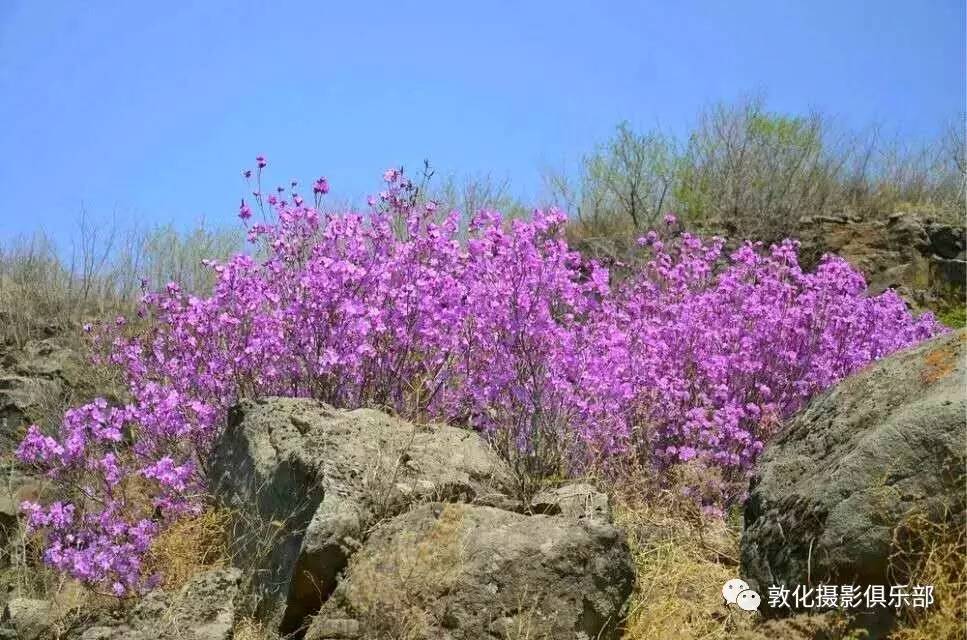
(535, 449)
(755, 174)
(477, 192)
(100, 274)
(625, 182)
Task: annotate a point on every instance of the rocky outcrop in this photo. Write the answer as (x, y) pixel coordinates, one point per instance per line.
(203, 609)
(462, 571)
(324, 476)
(832, 488)
(36, 381)
(327, 486)
(923, 259)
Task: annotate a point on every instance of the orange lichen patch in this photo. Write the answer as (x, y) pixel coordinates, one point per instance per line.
(939, 363)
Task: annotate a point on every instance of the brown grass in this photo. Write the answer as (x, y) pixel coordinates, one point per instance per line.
(251, 629)
(190, 547)
(933, 553)
(681, 559)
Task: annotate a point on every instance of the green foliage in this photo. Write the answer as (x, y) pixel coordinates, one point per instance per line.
(751, 173)
(626, 182)
(954, 317)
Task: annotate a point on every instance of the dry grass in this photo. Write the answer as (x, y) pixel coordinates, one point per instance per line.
(682, 558)
(190, 547)
(71, 603)
(933, 553)
(251, 629)
(45, 287)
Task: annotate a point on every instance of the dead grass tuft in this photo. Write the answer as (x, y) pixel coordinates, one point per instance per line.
(251, 629)
(682, 559)
(933, 553)
(190, 547)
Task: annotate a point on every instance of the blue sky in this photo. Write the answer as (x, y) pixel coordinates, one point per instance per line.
(150, 110)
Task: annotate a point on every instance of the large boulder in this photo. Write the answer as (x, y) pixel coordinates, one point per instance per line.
(460, 571)
(308, 481)
(881, 447)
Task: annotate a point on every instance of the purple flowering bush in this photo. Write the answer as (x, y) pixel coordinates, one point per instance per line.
(696, 357)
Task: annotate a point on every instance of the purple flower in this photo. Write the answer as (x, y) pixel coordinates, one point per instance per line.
(693, 356)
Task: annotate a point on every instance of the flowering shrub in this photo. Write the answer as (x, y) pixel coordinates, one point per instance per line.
(696, 357)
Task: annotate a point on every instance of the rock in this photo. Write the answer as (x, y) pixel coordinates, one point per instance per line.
(31, 618)
(462, 571)
(36, 381)
(832, 487)
(946, 241)
(316, 478)
(949, 273)
(15, 487)
(922, 259)
(22, 399)
(324, 628)
(573, 501)
(204, 609)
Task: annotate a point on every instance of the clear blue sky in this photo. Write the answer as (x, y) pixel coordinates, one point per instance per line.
(152, 109)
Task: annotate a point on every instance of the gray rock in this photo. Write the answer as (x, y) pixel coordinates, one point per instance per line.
(204, 609)
(577, 500)
(21, 400)
(36, 381)
(31, 618)
(461, 571)
(315, 478)
(884, 444)
(324, 628)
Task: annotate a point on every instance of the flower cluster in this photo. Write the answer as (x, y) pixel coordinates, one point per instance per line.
(697, 356)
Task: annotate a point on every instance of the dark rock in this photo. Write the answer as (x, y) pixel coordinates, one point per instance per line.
(946, 241)
(830, 490)
(461, 571)
(920, 258)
